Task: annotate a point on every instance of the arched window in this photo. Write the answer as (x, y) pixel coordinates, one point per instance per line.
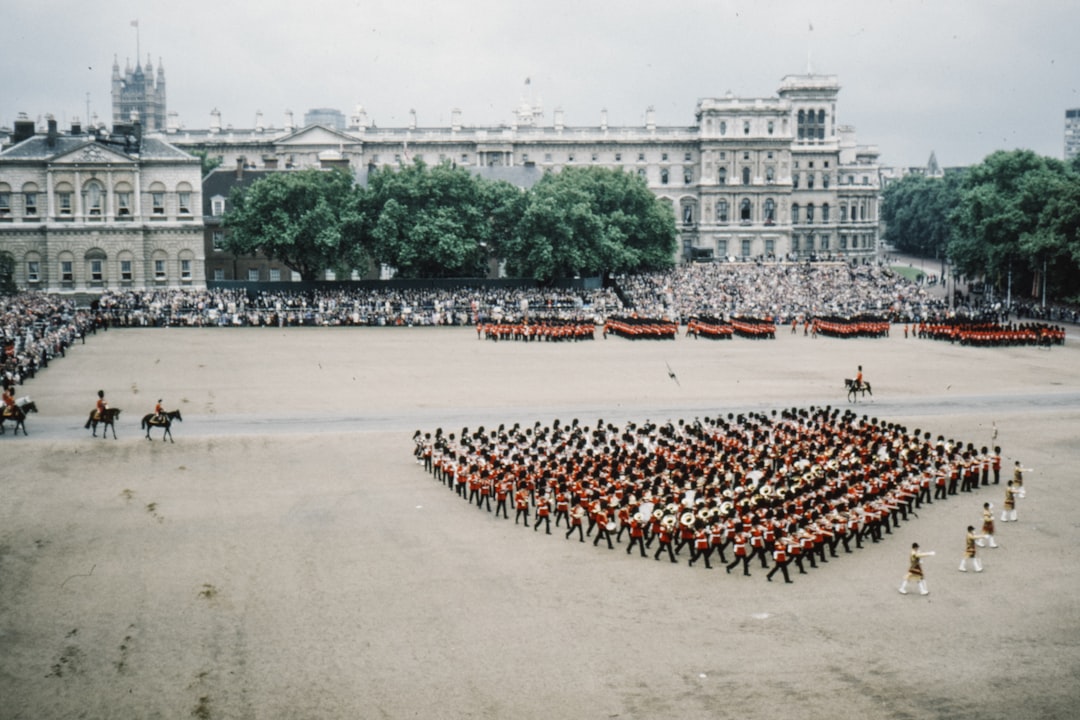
(93, 198)
(723, 127)
(183, 199)
(770, 174)
(663, 176)
(794, 213)
(744, 210)
(809, 181)
(825, 213)
(95, 266)
(843, 212)
(770, 211)
(30, 199)
(122, 192)
(746, 176)
(157, 199)
(722, 176)
(722, 211)
(809, 213)
(63, 192)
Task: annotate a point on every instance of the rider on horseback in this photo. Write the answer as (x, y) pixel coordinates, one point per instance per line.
(858, 379)
(102, 406)
(9, 402)
(159, 413)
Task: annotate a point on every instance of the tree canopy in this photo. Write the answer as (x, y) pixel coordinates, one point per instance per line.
(310, 220)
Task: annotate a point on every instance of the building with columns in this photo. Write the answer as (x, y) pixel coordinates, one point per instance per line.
(84, 211)
(749, 178)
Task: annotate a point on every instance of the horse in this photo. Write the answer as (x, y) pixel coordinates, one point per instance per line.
(18, 415)
(152, 420)
(853, 389)
(108, 419)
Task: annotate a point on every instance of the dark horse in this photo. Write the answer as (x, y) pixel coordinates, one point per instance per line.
(152, 421)
(18, 415)
(108, 419)
(853, 389)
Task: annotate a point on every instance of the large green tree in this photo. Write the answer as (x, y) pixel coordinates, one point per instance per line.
(591, 221)
(1016, 215)
(310, 220)
(916, 211)
(428, 222)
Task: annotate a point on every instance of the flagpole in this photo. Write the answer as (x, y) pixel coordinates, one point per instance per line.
(138, 49)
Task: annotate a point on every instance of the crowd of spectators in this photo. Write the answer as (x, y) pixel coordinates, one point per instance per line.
(781, 291)
(34, 329)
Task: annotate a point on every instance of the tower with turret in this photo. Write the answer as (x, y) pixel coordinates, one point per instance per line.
(139, 92)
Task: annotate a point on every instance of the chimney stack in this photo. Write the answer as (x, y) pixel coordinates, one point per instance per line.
(52, 131)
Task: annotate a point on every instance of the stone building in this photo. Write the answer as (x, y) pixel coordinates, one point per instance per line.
(139, 94)
(82, 211)
(757, 177)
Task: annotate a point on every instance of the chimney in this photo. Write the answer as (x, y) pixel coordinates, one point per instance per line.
(24, 128)
(240, 168)
(76, 126)
(289, 124)
(270, 162)
(650, 118)
(259, 127)
(215, 121)
(52, 131)
(559, 119)
(603, 119)
(412, 119)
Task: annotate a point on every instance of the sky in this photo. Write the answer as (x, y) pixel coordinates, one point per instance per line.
(960, 78)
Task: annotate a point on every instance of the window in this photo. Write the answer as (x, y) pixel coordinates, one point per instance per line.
(850, 179)
(770, 246)
(397, 158)
(825, 213)
(5, 205)
(159, 269)
(547, 157)
(185, 202)
(218, 240)
(746, 247)
(687, 157)
(865, 180)
(641, 173)
(769, 155)
(275, 275)
(770, 174)
(722, 211)
(723, 128)
(721, 247)
(185, 269)
(770, 129)
(63, 199)
(770, 211)
(595, 157)
(746, 176)
(824, 242)
(464, 158)
(723, 155)
(795, 181)
(663, 157)
(809, 213)
(843, 213)
(687, 176)
(33, 271)
(96, 271)
(217, 205)
(125, 270)
(688, 214)
(746, 155)
(570, 157)
(722, 176)
(618, 157)
(253, 274)
(123, 203)
(746, 127)
(67, 272)
(219, 274)
(30, 203)
(843, 242)
(663, 176)
(744, 210)
(809, 181)
(157, 203)
(92, 198)
(794, 213)
(825, 181)
(641, 157)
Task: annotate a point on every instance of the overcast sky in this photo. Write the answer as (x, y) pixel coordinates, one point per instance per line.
(961, 78)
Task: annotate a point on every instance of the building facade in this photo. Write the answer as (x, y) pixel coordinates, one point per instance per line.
(81, 212)
(1072, 133)
(750, 178)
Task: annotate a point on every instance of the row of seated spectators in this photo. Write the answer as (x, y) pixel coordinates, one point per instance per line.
(34, 329)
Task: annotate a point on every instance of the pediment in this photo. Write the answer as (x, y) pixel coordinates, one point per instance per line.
(90, 153)
(317, 135)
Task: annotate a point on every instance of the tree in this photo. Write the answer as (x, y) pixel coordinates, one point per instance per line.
(208, 163)
(428, 222)
(591, 221)
(916, 211)
(310, 220)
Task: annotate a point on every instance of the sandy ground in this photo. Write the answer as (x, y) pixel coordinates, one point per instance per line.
(286, 558)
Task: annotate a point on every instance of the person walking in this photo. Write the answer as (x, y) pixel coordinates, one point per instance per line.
(970, 543)
(1008, 513)
(915, 571)
(987, 527)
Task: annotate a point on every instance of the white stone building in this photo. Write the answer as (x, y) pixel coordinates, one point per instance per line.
(749, 178)
(81, 212)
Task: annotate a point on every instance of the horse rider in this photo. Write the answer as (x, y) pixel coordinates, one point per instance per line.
(159, 413)
(9, 402)
(858, 379)
(101, 406)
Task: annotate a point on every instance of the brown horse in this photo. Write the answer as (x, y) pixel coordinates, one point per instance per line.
(107, 419)
(165, 421)
(18, 415)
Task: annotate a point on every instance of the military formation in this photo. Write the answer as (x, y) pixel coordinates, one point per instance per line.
(784, 492)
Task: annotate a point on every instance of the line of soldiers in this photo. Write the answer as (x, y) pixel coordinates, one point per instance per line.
(639, 328)
(851, 327)
(546, 330)
(794, 486)
(992, 334)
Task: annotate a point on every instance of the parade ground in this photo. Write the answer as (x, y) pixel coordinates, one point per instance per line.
(287, 558)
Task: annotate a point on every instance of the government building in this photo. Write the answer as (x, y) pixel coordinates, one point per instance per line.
(750, 178)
